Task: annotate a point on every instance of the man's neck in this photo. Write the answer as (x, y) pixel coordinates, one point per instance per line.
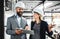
(19, 15)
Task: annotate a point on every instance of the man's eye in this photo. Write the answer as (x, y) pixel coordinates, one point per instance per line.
(20, 9)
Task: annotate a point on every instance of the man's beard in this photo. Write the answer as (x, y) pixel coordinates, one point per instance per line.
(19, 14)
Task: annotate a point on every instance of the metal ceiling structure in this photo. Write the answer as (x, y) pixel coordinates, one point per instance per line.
(53, 7)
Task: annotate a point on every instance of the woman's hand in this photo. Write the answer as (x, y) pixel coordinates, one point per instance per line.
(27, 28)
(50, 27)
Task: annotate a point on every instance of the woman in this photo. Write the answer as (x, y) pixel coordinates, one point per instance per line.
(39, 26)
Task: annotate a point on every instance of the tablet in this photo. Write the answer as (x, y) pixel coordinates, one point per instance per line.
(27, 31)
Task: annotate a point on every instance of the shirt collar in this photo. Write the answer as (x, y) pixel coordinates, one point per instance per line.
(17, 15)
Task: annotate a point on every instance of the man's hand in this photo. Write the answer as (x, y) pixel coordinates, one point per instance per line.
(18, 31)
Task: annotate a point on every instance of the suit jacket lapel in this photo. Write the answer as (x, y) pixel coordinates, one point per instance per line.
(16, 21)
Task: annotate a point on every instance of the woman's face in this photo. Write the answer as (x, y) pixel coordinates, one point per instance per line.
(35, 15)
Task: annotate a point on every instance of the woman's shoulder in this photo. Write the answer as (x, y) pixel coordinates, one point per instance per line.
(44, 22)
(32, 23)
(41, 21)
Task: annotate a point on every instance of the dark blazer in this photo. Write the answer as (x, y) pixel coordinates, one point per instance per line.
(43, 29)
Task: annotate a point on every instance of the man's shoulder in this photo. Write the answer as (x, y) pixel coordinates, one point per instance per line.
(24, 18)
(10, 17)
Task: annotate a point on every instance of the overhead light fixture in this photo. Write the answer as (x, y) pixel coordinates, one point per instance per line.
(40, 6)
(47, 4)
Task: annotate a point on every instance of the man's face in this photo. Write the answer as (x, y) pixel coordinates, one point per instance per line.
(19, 11)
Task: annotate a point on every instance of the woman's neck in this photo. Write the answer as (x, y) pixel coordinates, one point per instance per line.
(37, 20)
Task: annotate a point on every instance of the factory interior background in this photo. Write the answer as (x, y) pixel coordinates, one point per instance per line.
(51, 13)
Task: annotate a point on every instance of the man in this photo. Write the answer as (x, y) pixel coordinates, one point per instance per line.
(17, 21)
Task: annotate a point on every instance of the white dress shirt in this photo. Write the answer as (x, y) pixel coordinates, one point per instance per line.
(19, 20)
